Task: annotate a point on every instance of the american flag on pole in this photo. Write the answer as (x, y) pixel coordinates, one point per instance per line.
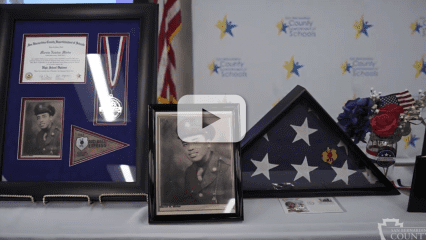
(171, 23)
(403, 99)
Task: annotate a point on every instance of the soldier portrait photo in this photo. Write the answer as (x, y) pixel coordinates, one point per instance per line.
(194, 173)
(41, 128)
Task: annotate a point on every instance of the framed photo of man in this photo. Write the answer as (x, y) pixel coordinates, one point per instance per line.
(40, 134)
(192, 177)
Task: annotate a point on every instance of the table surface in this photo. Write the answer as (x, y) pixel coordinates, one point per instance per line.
(263, 219)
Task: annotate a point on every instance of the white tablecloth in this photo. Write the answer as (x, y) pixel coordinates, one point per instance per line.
(264, 219)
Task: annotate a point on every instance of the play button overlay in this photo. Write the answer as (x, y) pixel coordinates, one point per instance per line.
(208, 115)
(218, 118)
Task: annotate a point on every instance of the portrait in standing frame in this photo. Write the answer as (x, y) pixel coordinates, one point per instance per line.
(194, 174)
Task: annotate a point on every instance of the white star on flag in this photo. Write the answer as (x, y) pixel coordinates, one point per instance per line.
(303, 170)
(263, 167)
(303, 132)
(3, 179)
(343, 173)
(266, 137)
(341, 144)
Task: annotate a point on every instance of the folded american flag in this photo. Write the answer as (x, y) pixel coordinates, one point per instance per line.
(403, 99)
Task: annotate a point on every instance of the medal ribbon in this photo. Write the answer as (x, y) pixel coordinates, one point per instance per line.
(112, 82)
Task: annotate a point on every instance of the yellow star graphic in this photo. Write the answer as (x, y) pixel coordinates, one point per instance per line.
(358, 27)
(222, 27)
(407, 141)
(413, 27)
(289, 66)
(211, 67)
(280, 26)
(419, 65)
(343, 67)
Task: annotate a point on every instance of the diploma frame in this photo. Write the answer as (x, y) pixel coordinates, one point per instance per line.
(147, 15)
(279, 111)
(195, 212)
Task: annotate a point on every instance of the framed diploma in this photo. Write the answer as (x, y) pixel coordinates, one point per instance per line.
(54, 58)
(76, 82)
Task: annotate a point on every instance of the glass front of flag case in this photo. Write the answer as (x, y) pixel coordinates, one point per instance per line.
(77, 80)
(297, 149)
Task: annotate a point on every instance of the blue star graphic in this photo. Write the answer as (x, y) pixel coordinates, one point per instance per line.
(284, 28)
(216, 67)
(348, 68)
(365, 26)
(296, 67)
(423, 68)
(229, 27)
(413, 140)
(418, 26)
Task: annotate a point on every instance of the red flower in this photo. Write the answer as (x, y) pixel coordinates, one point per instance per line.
(385, 123)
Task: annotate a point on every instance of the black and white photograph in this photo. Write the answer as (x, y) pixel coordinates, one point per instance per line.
(40, 134)
(194, 175)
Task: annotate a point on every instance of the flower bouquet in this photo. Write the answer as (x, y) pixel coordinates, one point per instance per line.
(387, 118)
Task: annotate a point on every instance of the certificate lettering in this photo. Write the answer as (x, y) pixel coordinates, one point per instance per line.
(54, 58)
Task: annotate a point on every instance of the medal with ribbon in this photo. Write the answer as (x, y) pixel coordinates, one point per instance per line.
(113, 64)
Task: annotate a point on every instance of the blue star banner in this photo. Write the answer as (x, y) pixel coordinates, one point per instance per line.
(297, 148)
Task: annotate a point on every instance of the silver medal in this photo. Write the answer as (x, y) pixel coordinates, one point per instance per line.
(115, 105)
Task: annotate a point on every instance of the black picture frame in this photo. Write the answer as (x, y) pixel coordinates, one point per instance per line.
(147, 15)
(417, 200)
(154, 217)
(280, 110)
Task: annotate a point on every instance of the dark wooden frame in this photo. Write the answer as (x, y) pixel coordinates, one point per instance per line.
(280, 110)
(147, 14)
(153, 217)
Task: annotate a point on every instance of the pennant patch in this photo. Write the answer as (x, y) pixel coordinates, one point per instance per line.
(86, 145)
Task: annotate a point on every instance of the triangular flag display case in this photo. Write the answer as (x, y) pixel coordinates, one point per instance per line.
(298, 150)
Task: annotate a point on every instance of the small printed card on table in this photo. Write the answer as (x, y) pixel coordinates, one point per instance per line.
(310, 205)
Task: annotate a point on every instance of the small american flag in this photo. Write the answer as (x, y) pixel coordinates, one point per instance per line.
(403, 99)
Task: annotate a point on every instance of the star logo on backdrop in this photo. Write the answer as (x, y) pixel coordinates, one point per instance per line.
(343, 173)
(225, 27)
(413, 140)
(420, 66)
(263, 167)
(303, 132)
(407, 141)
(282, 27)
(213, 68)
(292, 67)
(346, 67)
(361, 27)
(415, 27)
(303, 170)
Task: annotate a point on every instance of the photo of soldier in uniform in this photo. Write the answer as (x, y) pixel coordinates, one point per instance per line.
(194, 173)
(41, 128)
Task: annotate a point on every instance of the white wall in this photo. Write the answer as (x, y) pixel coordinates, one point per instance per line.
(257, 52)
